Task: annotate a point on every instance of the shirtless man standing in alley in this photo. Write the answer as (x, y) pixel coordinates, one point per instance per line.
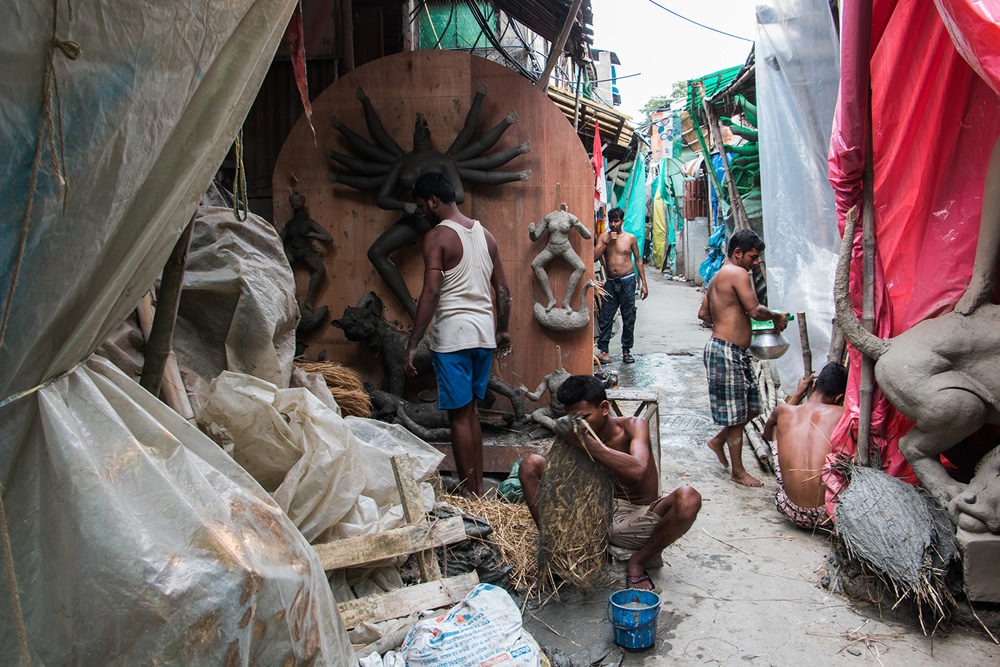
(618, 248)
(729, 304)
(800, 437)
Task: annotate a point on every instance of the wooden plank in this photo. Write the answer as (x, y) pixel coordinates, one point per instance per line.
(441, 85)
(404, 601)
(356, 551)
(632, 394)
(413, 512)
(496, 458)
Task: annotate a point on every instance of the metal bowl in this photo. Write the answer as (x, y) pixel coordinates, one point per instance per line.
(768, 344)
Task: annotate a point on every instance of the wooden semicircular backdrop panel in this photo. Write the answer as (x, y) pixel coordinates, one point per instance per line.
(441, 85)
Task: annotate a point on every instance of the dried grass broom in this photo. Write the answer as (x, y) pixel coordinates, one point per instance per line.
(345, 385)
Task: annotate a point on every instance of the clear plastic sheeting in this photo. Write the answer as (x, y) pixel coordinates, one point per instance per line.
(797, 82)
(152, 544)
(135, 538)
(299, 450)
(237, 310)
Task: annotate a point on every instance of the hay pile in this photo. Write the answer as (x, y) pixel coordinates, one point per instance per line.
(575, 504)
(345, 385)
(514, 534)
(900, 533)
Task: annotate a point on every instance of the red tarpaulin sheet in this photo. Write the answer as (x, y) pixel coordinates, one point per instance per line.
(935, 79)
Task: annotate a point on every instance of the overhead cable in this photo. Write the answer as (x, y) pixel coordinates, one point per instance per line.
(701, 25)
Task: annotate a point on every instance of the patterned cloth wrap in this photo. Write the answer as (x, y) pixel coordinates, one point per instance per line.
(732, 386)
(809, 518)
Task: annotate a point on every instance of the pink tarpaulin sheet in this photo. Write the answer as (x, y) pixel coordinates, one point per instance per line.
(936, 116)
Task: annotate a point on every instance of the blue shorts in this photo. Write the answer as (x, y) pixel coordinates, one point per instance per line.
(461, 376)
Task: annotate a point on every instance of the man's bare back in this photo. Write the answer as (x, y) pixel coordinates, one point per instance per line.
(803, 433)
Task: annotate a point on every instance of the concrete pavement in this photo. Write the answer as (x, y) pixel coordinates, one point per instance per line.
(744, 585)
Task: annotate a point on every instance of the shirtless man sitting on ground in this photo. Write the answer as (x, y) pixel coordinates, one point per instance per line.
(800, 437)
(642, 520)
(729, 304)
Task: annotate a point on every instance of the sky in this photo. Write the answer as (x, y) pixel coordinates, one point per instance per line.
(663, 48)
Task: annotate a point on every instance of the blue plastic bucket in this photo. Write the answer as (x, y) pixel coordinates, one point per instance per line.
(633, 615)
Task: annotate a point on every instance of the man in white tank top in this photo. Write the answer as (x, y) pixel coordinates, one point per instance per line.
(461, 266)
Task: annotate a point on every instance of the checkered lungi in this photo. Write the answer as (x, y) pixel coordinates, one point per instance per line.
(809, 518)
(732, 386)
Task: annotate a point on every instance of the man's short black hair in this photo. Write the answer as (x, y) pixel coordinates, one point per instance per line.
(434, 183)
(832, 380)
(745, 240)
(616, 212)
(578, 388)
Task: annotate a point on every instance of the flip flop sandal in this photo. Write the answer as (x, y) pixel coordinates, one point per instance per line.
(633, 582)
(628, 358)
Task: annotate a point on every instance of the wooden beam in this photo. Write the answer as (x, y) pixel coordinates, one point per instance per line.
(807, 355)
(496, 458)
(404, 601)
(413, 512)
(159, 340)
(355, 551)
(557, 46)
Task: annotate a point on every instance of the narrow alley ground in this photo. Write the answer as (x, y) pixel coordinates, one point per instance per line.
(743, 585)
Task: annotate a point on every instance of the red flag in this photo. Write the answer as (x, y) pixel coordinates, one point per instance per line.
(297, 47)
(600, 187)
(600, 183)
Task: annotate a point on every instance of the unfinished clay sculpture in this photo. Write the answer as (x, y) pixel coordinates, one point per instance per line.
(423, 420)
(559, 225)
(558, 319)
(547, 415)
(297, 237)
(385, 168)
(944, 374)
(364, 323)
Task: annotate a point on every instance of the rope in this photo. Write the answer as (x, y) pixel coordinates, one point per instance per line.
(46, 127)
(8, 559)
(57, 157)
(240, 182)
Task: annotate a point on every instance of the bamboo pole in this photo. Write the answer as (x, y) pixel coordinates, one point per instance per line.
(867, 298)
(837, 343)
(807, 355)
(557, 46)
(161, 334)
(576, 104)
(715, 128)
(173, 390)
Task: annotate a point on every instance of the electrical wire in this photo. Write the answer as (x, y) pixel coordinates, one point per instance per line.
(492, 38)
(701, 25)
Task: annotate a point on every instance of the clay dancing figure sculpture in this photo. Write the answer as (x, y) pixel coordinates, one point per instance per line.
(297, 238)
(559, 225)
(547, 415)
(944, 373)
(385, 168)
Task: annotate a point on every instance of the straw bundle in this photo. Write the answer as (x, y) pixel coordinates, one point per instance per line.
(901, 534)
(575, 508)
(345, 385)
(513, 533)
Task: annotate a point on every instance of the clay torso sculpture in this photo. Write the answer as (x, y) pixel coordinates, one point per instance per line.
(547, 415)
(559, 225)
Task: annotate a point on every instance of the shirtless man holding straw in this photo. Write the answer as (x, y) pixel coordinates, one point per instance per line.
(642, 520)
